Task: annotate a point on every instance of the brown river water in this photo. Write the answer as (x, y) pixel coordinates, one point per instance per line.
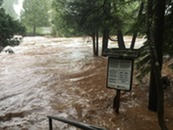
(61, 77)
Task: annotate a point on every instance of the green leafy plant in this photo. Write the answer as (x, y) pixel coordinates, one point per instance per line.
(8, 28)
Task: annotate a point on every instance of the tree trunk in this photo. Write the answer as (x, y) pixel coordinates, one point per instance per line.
(97, 44)
(155, 41)
(95, 39)
(34, 30)
(136, 31)
(159, 34)
(158, 41)
(152, 103)
(121, 44)
(105, 40)
(133, 40)
(94, 44)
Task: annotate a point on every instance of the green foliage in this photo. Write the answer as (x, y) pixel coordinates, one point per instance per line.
(138, 23)
(88, 15)
(143, 63)
(60, 25)
(167, 46)
(36, 14)
(9, 27)
(1, 1)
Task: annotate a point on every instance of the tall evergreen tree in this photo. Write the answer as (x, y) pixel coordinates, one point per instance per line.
(155, 42)
(162, 43)
(35, 14)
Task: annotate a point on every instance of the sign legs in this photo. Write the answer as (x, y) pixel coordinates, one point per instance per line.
(116, 102)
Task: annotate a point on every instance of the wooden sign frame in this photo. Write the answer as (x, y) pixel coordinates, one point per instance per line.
(119, 73)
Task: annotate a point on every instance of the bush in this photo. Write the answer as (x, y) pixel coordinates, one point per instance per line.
(8, 28)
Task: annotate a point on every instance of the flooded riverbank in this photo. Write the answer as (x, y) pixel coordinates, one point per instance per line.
(61, 77)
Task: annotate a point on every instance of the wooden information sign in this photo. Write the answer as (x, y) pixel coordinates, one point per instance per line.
(120, 73)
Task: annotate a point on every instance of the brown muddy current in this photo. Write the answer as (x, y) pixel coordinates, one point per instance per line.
(61, 77)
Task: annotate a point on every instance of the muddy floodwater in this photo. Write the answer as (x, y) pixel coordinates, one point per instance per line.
(61, 77)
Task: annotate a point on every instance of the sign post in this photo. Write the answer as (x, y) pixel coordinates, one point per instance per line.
(120, 71)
